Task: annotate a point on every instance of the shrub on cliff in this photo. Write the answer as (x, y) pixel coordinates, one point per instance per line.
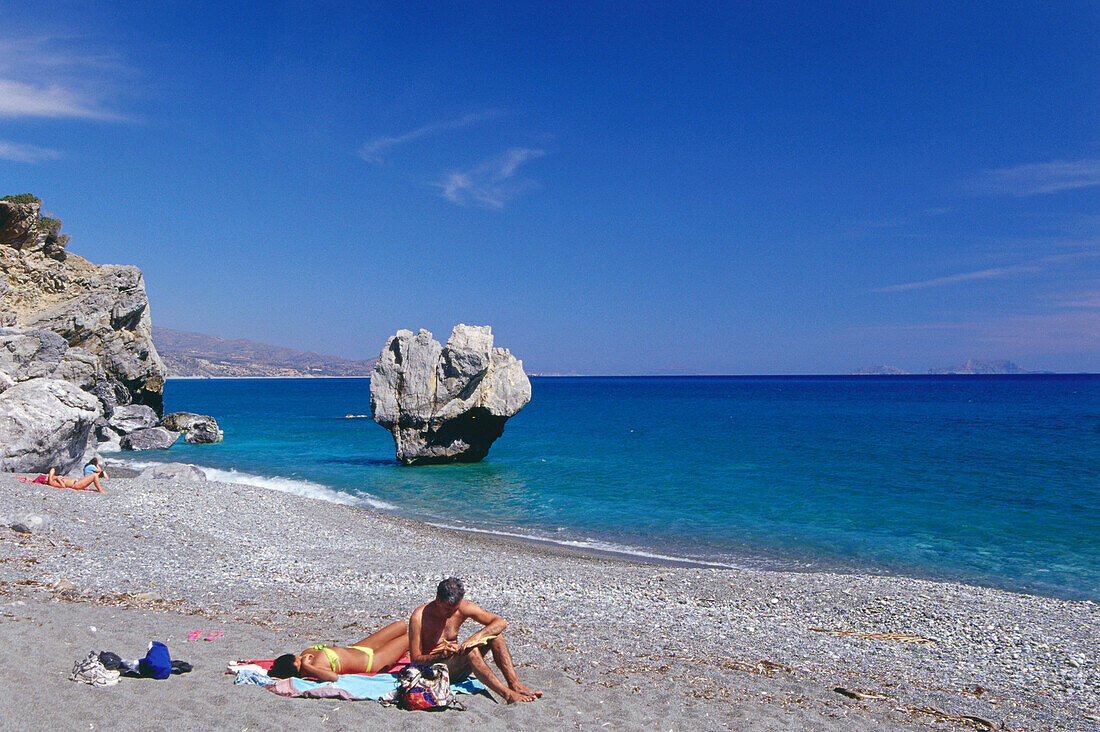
(22, 198)
(49, 225)
(54, 245)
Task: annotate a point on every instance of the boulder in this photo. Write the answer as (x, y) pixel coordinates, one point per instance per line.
(79, 368)
(131, 418)
(153, 438)
(30, 523)
(111, 392)
(31, 354)
(199, 429)
(106, 312)
(446, 403)
(172, 471)
(19, 225)
(107, 439)
(45, 423)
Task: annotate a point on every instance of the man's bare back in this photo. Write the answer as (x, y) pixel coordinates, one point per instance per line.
(433, 638)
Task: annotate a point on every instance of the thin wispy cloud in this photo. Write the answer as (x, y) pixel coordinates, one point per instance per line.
(19, 153)
(491, 182)
(372, 151)
(1039, 178)
(1037, 265)
(57, 77)
(66, 53)
(1072, 331)
(984, 274)
(19, 99)
(1088, 299)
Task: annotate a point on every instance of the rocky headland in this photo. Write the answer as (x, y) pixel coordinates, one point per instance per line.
(446, 403)
(199, 356)
(76, 347)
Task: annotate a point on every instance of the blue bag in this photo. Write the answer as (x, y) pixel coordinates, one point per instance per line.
(157, 663)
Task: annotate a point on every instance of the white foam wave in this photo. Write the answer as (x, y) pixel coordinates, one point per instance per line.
(592, 544)
(309, 489)
(305, 488)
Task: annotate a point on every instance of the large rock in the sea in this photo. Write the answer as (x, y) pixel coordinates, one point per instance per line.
(101, 309)
(198, 429)
(446, 403)
(153, 438)
(131, 418)
(45, 423)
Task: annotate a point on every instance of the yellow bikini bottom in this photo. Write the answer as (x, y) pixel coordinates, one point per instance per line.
(370, 656)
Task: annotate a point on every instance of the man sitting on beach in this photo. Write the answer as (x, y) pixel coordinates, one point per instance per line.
(434, 626)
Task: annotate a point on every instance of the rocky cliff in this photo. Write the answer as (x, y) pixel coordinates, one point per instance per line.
(75, 346)
(100, 311)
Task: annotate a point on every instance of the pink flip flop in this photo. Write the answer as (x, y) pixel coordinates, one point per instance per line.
(214, 635)
(194, 635)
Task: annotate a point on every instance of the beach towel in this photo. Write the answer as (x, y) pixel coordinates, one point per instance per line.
(356, 687)
(42, 479)
(252, 677)
(353, 687)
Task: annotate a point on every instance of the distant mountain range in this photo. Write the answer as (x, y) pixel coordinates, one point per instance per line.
(195, 355)
(972, 367)
(203, 356)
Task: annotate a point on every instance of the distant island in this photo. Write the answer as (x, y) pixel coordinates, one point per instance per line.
(194, 355)
(883, 370)
(972, 367)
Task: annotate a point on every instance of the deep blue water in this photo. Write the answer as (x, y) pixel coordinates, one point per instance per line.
(988, 480)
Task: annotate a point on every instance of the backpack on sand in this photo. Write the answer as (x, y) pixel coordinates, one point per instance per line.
(423, 688)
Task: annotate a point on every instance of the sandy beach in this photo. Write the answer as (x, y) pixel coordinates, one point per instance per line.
(614, 643)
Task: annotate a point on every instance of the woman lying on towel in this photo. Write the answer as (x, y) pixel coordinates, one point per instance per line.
(326, 663)
(57, 481)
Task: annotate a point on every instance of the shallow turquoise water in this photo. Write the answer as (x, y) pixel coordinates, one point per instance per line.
(991, 480)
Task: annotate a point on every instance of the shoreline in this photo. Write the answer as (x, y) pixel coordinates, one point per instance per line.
(857, 377)
(705, 648)
(612, 550)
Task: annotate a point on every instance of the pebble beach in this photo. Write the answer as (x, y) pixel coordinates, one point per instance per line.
(615, 643)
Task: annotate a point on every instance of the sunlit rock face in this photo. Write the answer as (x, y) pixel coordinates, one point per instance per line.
(45, 423)
(102, 310)
(446, 403)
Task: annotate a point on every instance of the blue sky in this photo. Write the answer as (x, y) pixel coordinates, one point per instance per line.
(615, 188)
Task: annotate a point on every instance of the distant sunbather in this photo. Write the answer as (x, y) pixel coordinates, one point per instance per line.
(93, 466)
(327, 662)
(58, 481)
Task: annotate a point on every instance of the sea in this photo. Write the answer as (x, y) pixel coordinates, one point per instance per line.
(988, 480)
